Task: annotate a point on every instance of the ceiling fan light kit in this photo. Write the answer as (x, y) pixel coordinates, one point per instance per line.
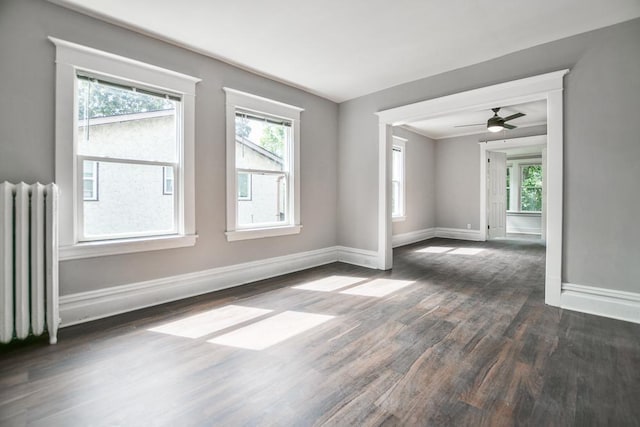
(497, 123)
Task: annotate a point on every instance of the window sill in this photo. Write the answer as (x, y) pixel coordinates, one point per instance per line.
(524, 213)
(124, 246)
(258, 233)
(398, 218)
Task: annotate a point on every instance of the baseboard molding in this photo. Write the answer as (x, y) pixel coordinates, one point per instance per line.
(92, 305)
(618, 305)
(516, 230)
(459, 233)
(360, 257)
(412, 237)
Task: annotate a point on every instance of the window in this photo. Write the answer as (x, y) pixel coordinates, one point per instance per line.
(244, 186)
(263, 182)
(132, 133)
(531, 188)
(90, 181)
(167, 180)
(509, 168)
(132, 123)
(398, 179)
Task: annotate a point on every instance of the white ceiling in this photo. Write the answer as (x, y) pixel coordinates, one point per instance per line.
(445, 127)
(344, 49)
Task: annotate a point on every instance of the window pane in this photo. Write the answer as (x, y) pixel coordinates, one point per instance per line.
(120, 123)
(168, 180)
(268, 201)
(261, 143)
(396, 167)
(89, 180)
(130, 204)
(395, 198)
(244, 186)
(508, 188)
(531, 193)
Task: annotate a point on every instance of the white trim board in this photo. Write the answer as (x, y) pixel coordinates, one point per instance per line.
(361, 257)
(610, 303)
(459, 233)
(92, 305)
(403, 239)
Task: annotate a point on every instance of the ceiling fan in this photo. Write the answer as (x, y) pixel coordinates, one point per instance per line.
(497, 123)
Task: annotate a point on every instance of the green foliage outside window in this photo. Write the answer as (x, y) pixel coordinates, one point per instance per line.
(531, 188)
(273, 138)
(100, 100)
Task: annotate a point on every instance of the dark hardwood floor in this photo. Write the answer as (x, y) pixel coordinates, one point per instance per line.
(465, 339)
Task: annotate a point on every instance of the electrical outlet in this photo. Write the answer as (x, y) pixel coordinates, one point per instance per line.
(468, 226)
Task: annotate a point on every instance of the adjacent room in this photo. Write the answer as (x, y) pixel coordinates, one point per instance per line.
(285, 213)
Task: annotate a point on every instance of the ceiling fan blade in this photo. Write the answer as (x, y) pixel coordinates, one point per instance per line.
(475, 124)
(514, 116)
(508, 126)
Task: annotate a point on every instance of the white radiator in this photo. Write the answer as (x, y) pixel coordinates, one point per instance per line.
(28, 261)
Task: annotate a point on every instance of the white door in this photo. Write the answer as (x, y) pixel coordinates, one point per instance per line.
(497, 194)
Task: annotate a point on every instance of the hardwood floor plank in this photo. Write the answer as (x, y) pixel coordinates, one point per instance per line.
(468, 342)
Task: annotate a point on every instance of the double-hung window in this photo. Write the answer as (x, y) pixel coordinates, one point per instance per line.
(263, 179)
(398, 185)
(133, 123)
(531, 188)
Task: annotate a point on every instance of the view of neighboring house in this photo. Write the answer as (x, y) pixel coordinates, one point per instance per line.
(142, 196)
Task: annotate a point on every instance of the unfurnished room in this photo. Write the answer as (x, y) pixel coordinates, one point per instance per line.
(285, 213)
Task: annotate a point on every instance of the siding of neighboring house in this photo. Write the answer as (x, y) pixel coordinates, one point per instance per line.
(132, 197)
(129, 197)
(263, 205)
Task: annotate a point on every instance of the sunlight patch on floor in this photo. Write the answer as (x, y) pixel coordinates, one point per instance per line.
(210, 321)
(378, 287)
(467, 251)
(435, 249)
(330, 283)
(270, 331)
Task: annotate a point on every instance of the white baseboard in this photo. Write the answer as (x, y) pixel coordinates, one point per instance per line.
(521, 230)
(459, 233)
(86, 306)
(601, 302)
(412, 237)
(360, 257)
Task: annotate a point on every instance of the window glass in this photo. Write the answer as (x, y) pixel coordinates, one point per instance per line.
(90, 180)
(397, 181)
(262, 145)
(125, 124)
(531, 188)
(130, 203)
(508, 188)
(131, 134)
(244, 186)
(261, 142)
(168, 180)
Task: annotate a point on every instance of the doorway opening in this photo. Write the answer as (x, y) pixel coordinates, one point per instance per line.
(515, 188)
(542, 87)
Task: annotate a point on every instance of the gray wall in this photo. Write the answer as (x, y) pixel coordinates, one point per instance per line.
(458, 182)
(420, 170)
(458, 176)
(602, 100)
(27, 141)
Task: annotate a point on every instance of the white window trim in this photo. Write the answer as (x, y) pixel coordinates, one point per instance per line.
(71, 57)
(402, 144)
(236, 99)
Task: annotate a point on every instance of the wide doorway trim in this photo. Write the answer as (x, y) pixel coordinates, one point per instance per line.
(547, 87)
